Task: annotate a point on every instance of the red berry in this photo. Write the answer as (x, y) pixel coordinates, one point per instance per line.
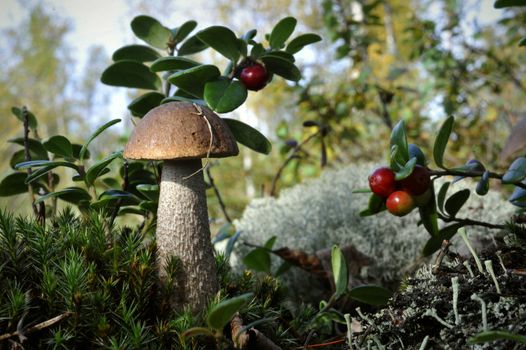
(254, 77)
(416, 183)
(382, 182)
(400, 203)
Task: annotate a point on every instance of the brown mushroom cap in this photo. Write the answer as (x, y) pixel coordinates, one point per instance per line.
(175, 130)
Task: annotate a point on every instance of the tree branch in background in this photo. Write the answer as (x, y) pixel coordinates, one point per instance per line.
(218, 195)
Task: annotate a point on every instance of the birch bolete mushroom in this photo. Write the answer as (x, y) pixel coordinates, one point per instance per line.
(181, 134)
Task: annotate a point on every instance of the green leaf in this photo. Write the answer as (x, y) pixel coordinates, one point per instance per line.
(340, 270)
(20, 157)
(149, 191)
(223, 312)
(31, 119)
(371, 294)
(132, 74)
(248, 136)
(406, 170)
(488, 336)
(362, 190)
(434, 243)
(221, 39)
(281, 54)
(45, 167)
(35, 146)
(185, 99)
(151, 31)
(144, 103)
(508, 3)
(376, 205)
(172, 63)
(191, 46)
(441, 198)
(399, 139)
(224, 95)
(483, 184)
(518, 195)
(13, 184)
(250, 35)
(258, 260)
(516, 172)
(110, 197)
(73, 195)
(522, 42)
(282, 31)
(282, 67)
(299, 42)
(60, 146)
(139, 53)
(193, 80)
(270, 242)
(100, 130)
(179, 34)
(226, 231)
(429, 215)
(257, 50)
(196, 331)
(230, 244)
(96, 169)
(76, 151)
(441, 141)
(456, 201)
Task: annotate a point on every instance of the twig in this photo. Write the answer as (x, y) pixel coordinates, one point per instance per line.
(118, 205)
(27, 157)
(293, 155)
(218, 195)
(473, 173)
(250, 339)
(470, 222)
(38, 327)
(440, 256)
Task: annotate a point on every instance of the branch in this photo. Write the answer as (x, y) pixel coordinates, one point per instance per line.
(470, 222)
(474, 173)
(39, 326)
(249, 339)
(218, 195)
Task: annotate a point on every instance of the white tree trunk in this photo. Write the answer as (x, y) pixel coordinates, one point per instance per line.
(183, 230)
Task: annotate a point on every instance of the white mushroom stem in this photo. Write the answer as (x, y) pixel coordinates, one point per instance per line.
(183, 231)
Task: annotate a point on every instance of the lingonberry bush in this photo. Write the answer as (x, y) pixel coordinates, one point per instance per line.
(408, 183)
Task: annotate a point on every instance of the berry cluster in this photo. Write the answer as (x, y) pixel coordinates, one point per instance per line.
(402, 196)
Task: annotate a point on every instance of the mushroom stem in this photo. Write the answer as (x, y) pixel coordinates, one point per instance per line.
(183, 231)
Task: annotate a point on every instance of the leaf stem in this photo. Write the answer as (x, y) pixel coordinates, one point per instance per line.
(470, 222)
(472, 173)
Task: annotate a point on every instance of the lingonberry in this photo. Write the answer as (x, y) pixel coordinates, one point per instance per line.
(416, 183)
(254, 77)
(382, 182)
(400, 203)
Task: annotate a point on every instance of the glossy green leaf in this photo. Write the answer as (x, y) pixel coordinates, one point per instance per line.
(489, 336)
(371, 294)
(223, 312)
(44, 168)
(149, 191)
(429, 215)
(151, 31)
(131, 74)
(32, 120)
(73, 195)
(179, 34)
(139, 53)
(282, 31)
(35, 147)
(248, 136)
(508, 3)
(282, 67)
(399, 139)
(191, 46)
(96, 169)
(60, 146)
(257, 51)
(258, 260)
(144, 103)
(434, 243)
(270, 242)
(110, 197)
(221, 39)
(516, 172)
(230, 244)
(282, 54)
(251, 34)
(100, 130)
(76, 148)
(441, 141)
(242, 47)
(441, 197)
(518, 197)
(299, 42)
(150, 206)
(483, 184)
(172, 63)
(340, 271)
(415, 151)
(406, 170)
(224, 95)
(456, 201)
(193, 80)
(20, 157)
(376, 205)
(13, 184)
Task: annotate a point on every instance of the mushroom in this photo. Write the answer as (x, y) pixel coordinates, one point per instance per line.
(181, 134)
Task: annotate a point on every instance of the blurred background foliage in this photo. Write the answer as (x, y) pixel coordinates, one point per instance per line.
(380, 61)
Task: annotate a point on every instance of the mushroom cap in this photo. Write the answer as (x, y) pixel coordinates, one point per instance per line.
(177, 130)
